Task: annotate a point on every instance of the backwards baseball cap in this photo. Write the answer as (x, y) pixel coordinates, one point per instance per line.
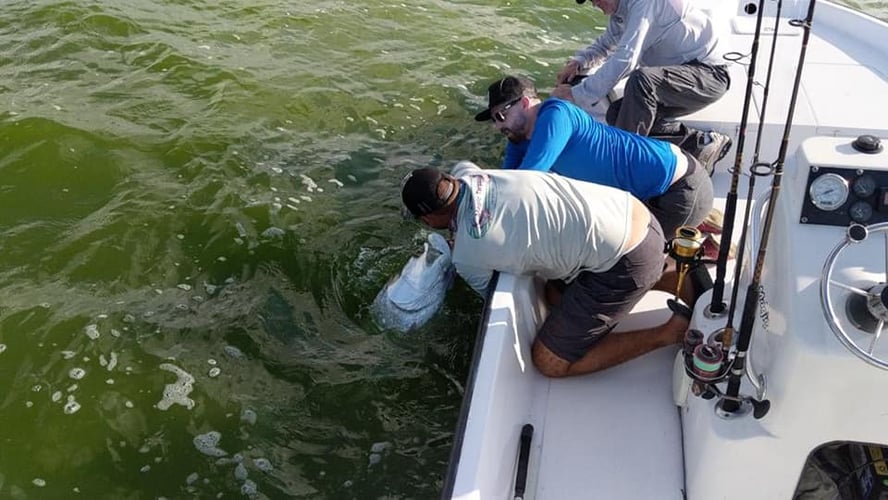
(419, 191)
(502, 91)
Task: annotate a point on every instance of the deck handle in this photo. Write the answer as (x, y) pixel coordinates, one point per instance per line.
(523, 458)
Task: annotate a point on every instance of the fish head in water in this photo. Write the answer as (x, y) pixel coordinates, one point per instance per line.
(412, 297)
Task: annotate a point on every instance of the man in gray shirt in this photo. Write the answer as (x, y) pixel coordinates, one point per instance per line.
(672, 56)
(599, 241)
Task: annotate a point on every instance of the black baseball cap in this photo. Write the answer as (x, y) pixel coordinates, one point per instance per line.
(420, 191)
(502, 91)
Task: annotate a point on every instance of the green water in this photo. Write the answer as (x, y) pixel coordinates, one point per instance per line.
(203, 195)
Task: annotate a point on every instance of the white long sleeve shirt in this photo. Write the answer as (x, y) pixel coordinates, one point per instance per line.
(646, 33)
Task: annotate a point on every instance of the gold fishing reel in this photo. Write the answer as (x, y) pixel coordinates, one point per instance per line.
(686, 247)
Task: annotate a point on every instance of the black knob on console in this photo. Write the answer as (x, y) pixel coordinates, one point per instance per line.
(868, 144)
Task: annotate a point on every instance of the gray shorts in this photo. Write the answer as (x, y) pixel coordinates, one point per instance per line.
(594, 303)
(687, 201)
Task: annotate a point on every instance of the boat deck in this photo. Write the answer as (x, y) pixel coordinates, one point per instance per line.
(587, 420)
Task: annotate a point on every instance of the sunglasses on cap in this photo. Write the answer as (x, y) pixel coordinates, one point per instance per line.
(500, 116)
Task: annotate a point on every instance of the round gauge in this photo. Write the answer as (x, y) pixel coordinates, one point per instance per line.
(860, 212)
(864, 186)
(829, 192)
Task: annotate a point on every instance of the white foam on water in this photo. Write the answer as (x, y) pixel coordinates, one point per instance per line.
(240, 472)
(71, 407)
(336, 181)
(379, 447)
(212, 362)
(178, 391)
(112, 363)
(2, 348)
(145, 468)
(76, 373)
(115, 333)
(129, 404)
(68, 354)
(208, 444)
(38, 482)
(192, 478)
(109, 381)
(29, 404)
(233, 352)
(72, 387)
(273, 232)
(56, 396)
(249, 488)
(214, 372)
(184, 286)
(304, 197)
(92, 331)
(263, 464)
(308, 182)
(248, 416)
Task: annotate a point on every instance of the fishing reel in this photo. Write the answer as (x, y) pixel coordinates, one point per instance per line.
(708, 362)
(686, 249)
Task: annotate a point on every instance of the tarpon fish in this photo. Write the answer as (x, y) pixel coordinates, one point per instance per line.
(412, 297)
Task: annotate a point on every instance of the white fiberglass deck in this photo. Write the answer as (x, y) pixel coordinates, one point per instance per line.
(586, 420)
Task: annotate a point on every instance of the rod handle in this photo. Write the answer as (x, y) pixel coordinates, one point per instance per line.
(523, 458)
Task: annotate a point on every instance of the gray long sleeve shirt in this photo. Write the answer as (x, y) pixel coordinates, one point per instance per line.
(646, 33)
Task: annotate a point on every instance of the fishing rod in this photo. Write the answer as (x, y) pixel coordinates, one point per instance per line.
(717, 305)
(755, 170)
(731, 403)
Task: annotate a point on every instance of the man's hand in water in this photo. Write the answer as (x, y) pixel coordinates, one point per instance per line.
(563, 92)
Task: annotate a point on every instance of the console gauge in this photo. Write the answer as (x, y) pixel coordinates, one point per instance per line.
(864, 186)
(860, 212)
(829, 192)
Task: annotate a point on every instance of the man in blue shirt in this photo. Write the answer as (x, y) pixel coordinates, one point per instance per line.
(557, 136)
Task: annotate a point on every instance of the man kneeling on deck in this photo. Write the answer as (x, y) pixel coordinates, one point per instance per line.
(601, 241)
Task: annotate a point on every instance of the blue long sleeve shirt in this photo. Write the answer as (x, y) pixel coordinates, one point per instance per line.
(569, 142)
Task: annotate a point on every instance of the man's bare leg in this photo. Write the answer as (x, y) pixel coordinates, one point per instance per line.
(668, 283)
(613, 349)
